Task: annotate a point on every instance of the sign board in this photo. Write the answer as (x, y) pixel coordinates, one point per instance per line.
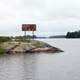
(28, 27)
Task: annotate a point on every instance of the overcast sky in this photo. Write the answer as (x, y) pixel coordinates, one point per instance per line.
(51, 16)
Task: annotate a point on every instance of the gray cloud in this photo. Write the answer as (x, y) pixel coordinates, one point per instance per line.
(49, 15)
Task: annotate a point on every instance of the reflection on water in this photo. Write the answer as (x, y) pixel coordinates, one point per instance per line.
(41, 66)
(18, 67)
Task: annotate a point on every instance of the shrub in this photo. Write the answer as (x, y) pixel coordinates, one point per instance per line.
(4, 39)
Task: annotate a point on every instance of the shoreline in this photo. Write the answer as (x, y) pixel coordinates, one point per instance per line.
(34, 46)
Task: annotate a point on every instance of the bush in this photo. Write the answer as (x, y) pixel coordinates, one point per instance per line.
(4, 39)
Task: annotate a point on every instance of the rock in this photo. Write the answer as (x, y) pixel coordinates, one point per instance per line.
(25, 47)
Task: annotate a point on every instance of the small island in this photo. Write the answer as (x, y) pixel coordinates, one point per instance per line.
(28, 46)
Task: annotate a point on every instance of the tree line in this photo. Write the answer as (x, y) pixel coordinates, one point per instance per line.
(75, 34)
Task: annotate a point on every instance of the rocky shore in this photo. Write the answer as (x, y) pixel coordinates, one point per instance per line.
(29, 47)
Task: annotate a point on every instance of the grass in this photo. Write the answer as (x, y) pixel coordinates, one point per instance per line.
(38, 44)
(23, 40)
(2, 51)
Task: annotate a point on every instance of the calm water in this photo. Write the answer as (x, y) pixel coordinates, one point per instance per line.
(59, 66)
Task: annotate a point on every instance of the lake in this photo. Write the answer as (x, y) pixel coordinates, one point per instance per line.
(44, 66)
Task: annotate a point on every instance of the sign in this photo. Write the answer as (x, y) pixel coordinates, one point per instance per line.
(28, 27)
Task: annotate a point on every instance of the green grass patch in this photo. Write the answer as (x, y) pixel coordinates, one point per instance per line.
(23, 40)
(2, 51)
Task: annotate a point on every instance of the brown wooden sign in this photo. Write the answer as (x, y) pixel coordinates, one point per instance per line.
(28, 27)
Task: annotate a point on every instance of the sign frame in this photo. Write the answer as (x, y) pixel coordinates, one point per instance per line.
(29, 27)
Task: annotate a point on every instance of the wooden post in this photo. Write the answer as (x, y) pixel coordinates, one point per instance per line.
(33, 34)
(25, 34)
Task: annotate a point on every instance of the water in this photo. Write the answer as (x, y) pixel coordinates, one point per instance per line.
(42, 66)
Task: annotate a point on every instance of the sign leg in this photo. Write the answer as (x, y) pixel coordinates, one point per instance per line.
(33, 34)
(25, 34)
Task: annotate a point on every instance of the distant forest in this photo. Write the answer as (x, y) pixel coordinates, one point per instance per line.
(75, 34)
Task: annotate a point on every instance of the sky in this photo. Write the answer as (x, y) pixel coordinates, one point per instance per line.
(52, 17)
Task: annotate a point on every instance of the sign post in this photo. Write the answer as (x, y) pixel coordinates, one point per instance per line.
(33, 34)
(29, 27)
(25, 34)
